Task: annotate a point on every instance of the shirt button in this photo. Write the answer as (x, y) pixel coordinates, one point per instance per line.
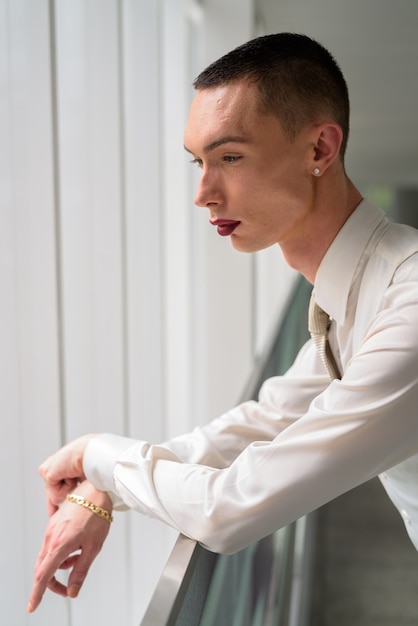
(406, 517)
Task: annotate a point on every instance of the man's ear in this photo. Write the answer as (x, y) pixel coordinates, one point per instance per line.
(327, 143)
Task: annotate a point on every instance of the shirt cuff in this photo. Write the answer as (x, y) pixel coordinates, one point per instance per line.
(100, 457)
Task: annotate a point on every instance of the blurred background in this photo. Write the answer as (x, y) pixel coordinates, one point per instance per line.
(121, 310)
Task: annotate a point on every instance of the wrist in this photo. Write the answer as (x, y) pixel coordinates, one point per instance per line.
(99, 498)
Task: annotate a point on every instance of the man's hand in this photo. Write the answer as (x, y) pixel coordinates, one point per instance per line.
(73, 538)
(63, 471)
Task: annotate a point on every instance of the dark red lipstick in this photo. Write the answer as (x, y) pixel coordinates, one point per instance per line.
(225, 227)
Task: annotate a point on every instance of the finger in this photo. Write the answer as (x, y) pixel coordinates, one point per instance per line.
(40, 584)
(79, 572)
(44, 579)
(57, 492)
(37, 593)
(43, 468)
(42, 551)
(48, 561)
(57, 587)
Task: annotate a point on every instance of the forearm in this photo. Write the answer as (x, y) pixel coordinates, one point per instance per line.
(282, 401)
(271, 483)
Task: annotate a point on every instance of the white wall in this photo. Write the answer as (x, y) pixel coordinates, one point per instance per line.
(121, 310)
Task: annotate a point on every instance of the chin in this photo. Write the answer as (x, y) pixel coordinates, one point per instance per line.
(241, 245)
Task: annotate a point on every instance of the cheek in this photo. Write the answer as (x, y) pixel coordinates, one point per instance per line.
(271, 195)
(278, 198)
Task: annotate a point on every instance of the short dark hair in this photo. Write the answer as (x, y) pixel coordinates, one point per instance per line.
(297, 80)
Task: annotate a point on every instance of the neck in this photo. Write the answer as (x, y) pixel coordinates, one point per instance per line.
(333, 203)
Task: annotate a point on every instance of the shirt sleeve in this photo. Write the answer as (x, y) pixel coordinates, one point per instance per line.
(282, 400)
(284, 463)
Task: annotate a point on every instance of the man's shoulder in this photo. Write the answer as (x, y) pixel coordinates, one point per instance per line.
(397, 244)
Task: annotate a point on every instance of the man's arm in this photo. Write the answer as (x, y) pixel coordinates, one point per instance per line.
(218, 445)
(351, 431)
(355, 429)
(282, 401)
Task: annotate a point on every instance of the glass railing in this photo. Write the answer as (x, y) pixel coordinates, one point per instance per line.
(267, 583)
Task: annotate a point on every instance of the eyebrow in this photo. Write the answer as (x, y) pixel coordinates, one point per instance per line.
(220, 142)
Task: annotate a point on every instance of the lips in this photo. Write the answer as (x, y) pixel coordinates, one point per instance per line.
(225, 227)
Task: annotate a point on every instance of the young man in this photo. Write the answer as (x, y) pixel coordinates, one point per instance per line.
(268, 128)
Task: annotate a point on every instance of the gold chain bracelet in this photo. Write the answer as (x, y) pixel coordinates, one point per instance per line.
(97, 510)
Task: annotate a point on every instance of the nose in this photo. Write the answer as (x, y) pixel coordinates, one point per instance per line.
(208, 190)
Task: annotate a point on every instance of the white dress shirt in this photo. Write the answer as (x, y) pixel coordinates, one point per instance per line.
(264, 464)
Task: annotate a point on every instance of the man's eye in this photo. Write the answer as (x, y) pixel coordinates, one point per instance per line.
(231, 159)
(197, 162)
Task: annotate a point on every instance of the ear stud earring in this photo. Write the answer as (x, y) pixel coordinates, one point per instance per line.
(317, 171)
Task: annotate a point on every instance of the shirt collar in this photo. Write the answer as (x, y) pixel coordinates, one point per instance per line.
(337, 269)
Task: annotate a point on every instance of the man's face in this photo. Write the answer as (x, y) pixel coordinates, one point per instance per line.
(256, 183)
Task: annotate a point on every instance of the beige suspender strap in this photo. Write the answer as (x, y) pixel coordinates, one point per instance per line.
(319, 323)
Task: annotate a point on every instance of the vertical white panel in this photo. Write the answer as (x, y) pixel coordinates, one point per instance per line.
(143, 180)
(91, 233)
(13, 561)
(91, 213)
(177, 222)
(150, 542)
(29, 398)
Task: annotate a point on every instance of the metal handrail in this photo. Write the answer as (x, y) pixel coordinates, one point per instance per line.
(174, 583)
